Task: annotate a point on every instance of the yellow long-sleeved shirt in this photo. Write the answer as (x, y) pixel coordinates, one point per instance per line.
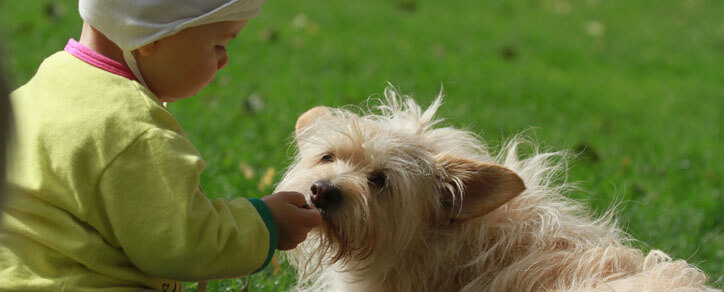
(104, 195)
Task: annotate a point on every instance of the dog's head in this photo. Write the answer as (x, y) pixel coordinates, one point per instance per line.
(385, 181)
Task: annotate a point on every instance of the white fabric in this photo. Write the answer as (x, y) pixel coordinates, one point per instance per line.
(131, 62)
(134, 23)
(131, 24)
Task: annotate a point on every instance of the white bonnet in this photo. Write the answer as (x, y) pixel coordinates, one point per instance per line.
(131, 24)
(134, 23)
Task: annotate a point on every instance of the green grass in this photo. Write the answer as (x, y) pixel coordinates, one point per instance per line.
(638, 84)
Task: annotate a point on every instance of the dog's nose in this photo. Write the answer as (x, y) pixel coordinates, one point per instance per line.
(325, 194)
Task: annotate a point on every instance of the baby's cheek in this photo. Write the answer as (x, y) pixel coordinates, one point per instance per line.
(206, 73)
(198, 77)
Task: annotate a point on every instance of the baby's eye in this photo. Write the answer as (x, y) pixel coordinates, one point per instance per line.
(327, 158)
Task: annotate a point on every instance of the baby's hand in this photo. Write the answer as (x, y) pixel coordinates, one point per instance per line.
(292, 219)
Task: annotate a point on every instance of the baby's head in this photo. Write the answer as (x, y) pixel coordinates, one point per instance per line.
(174, 47)
(182, 64)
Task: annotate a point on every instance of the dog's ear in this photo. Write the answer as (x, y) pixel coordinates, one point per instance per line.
(310, 117)
(475, 188)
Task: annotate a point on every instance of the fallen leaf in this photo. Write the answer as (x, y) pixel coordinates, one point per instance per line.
(254, 103)
(300, 21)
(275, 264)
(595, 28)
(266, 179)
(269, 35)
(246, 170)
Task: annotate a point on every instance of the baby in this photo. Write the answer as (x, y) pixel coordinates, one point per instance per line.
(103, 183)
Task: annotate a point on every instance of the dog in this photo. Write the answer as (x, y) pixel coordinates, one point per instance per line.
(410, 206)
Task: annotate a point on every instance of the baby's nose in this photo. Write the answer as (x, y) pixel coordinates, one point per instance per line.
(325, 194)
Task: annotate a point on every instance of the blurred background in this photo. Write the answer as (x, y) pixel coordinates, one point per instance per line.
(635, 87)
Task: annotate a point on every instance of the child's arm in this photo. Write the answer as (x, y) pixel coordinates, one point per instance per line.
(151, 206)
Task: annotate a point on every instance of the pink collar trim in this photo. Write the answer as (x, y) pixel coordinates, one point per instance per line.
(91, 57)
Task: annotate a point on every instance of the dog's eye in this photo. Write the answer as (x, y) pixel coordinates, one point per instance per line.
(377, 179)
(328, 158)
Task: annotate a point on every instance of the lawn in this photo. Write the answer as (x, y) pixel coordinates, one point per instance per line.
(636, 87)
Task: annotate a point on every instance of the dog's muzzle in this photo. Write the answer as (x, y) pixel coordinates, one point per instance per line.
(325, 194)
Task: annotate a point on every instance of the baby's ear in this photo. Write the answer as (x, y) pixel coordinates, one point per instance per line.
(473, 189)
(310, 117)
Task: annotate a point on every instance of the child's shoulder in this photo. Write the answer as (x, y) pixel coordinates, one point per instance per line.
(77, 104)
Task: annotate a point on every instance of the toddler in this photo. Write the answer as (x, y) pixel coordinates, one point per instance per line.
(103, 183)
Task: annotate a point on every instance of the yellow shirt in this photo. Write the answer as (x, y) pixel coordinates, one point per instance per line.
(103, 193)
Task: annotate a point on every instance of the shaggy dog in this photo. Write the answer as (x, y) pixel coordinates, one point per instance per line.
(411, 207)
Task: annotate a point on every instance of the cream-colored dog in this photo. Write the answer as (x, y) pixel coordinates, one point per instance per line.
(411, 207)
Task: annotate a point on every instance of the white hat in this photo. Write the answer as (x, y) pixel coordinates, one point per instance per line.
(131, 24)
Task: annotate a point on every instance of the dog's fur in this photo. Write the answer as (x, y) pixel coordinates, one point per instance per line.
(419, 208)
